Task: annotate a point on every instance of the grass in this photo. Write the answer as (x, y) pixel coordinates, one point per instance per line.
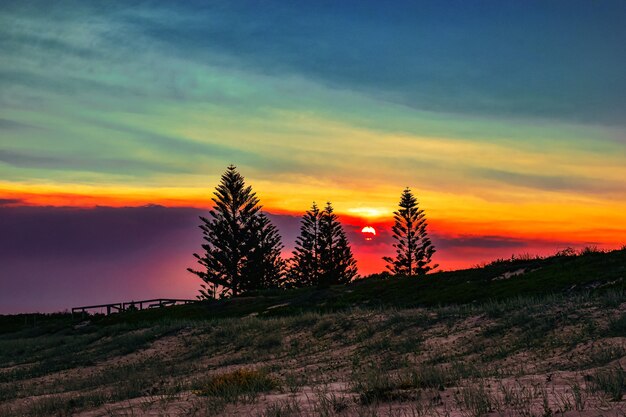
(611, 382)
(617, 326)
(374, 384)
(384, 339)
(475, 399)
(382, 369)
(589, 271)
(241, 384)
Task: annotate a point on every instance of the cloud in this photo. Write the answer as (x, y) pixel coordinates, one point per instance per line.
(486, 242)
(10, 201)
(169, 144)
(12, 125)
(82, 163)
(552, 182)
(506, 60)
(503, 61)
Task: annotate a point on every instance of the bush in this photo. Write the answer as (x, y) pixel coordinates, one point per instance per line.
(476, 399)
(610, 381)
(241, 383)
(617, 327)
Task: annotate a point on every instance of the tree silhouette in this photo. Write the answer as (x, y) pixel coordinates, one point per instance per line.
(242, 247)
(413, 247)
(304, 268)
(322, 256)
(336, 261)
(265, 267)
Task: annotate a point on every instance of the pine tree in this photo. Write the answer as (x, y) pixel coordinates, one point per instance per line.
(414, 249)
(304, 268)
(322, 256)
(265, 267)
(336, 261)
(242, 248)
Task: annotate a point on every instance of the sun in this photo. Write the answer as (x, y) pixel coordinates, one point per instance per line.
(368, 232)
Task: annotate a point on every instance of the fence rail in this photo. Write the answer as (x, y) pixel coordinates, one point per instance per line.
(132, 305)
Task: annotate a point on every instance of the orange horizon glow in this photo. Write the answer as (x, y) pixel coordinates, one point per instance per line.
(540, 229)
(604, 224)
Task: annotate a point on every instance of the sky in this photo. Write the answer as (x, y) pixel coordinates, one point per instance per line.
(507, 120)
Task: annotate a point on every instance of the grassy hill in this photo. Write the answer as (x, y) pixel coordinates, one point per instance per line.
(524, 336)
(499, 280)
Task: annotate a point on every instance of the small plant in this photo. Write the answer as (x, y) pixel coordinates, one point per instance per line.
(475, 399)
(241, 383)
(580, 397)
(569, 251)
(269, 341)
(610, 381)
(589, 250)
(617, 327)
(322, 327)
(329, 404)
(545, 403)
(372, 384)
(430, 376)
(293, 382)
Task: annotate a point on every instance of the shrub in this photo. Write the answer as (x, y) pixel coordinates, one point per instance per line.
(241, 383)
(610, 381)
(589, 250)
(374, 385)
(476, 399)
(569, 251)
(617, 327)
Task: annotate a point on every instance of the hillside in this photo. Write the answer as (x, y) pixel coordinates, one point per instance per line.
(519, 337)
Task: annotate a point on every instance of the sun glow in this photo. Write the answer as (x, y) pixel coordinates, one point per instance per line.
(369, 232)
(369, 212)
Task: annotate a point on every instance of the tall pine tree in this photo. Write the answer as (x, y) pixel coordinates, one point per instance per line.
(304, 270)
(265, 267)
(414, 249)
(242, 247)
(337, 263)
(322, 256)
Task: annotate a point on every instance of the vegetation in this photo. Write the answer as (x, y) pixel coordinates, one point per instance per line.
(457, 360)
(414, 249)
(336, 262)
(611, 382)
(238, 384)
(553, 276)
(545, 341)
(322, 256)
(305, 263)
(242, 249)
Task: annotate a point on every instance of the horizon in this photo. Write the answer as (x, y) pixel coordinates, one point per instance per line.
(183, 224)
(117, 120)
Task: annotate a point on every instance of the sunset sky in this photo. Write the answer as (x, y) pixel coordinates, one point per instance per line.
(507, 120)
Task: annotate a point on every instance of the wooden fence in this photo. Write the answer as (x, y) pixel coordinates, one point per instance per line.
(131, 305)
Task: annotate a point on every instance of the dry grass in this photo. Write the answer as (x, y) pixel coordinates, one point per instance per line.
(240, 384)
